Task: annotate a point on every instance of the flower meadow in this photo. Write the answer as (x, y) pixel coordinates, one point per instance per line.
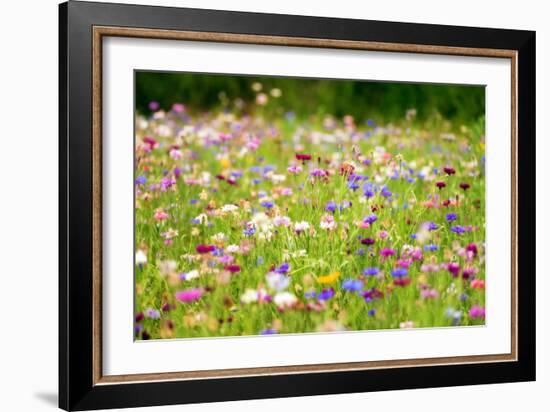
(252, 220)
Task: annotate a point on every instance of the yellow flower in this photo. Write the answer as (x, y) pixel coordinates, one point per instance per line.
(225, 162)
(331, 277)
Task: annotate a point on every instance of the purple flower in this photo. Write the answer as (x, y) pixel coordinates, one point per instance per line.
(267, 204)
(152, 313)
(268, 332)
(458, 229)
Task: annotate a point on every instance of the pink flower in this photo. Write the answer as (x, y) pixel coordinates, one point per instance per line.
(404, 263)
(429, 293)
(160, 215)
(383, 234)
(189, 295)
(477, 284)
(178, 108)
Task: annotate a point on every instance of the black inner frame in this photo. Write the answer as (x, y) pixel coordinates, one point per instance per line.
(76, 388)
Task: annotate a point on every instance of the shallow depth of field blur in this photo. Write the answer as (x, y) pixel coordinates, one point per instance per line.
(268, 205)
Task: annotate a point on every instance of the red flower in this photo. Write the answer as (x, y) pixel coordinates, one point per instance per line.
(367, 241)
(402, 281)
(232, 268)
(205, 248)
(464, 186)
(449, 170)
(303, 156)
(446, 202)
(440, 185)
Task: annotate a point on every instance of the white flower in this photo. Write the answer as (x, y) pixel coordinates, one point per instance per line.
(249, 296)
(232, 249)
(194, 274)
(219, 237)
(167, 267)
(406, 325)
(285, 299)
(301, 226)
(275, 178)
(202, 219)
(229, 208)
(141, 257)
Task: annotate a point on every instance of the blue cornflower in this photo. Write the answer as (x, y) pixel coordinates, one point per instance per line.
(284, 268)
(431, 248)
(352, 285)
(193, 201)
(353, 185)
(268, 204)
(331, 206)
(450, 217)
(385, 192)
(361, 252)
(458, 229)
(268, 332)
(431, 225)
(371, 123)
(249, 231)
(370, 219)
(310, 295)
(371, 271)
(414, 236)
(326, 294)
(218, 252)
(371, 312)
(259, 261)
(399, 272)
(141, 180)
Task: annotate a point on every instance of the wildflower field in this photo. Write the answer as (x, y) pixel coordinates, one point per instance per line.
(252, 218)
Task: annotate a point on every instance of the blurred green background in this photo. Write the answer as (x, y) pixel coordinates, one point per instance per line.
(381, 101)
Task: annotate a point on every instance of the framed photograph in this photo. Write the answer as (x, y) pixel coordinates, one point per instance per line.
(257, 205)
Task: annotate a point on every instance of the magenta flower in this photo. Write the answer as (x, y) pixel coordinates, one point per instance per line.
(367, 241)
(189, 295)
(387, 252)
(205, 248)
(303, 156)
(440, 185)
(453, 268)
(477, 311)
(232, 268)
